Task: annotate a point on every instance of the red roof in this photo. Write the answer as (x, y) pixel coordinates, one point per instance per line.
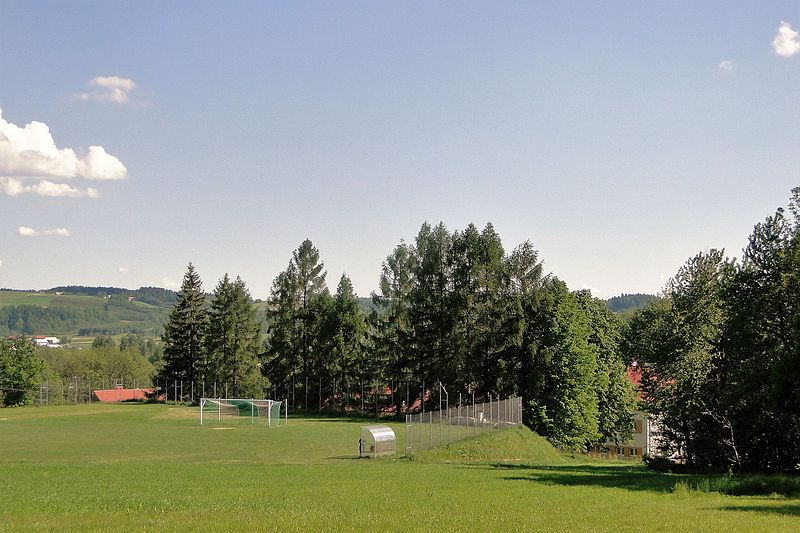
(635, 375)
(122, 395)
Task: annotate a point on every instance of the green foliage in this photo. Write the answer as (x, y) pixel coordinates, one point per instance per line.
(103, 341)
(616, 396)
(721, 355)
(559, 385)
(184, 337)
(95, 367)
(297, 321)
(233, 340)
(20, 371)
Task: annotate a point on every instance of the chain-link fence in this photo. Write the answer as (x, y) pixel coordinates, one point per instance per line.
(429, 429)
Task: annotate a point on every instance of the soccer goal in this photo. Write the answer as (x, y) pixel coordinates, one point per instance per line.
(217, 409)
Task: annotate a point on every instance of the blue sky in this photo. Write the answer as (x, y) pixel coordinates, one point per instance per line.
(620, 138)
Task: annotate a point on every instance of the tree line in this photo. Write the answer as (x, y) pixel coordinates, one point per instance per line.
(453, 308)
(29, 374)
(720, 353)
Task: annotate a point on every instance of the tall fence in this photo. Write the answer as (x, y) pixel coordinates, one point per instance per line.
(425, 430)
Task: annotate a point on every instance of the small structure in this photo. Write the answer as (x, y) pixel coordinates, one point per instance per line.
(47, 341)
(377, 441)
(119, 394)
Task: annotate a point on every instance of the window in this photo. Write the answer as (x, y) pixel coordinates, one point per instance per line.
(637, 427)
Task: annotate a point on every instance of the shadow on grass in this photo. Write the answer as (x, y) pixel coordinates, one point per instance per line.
(629, 477)
(787, 510)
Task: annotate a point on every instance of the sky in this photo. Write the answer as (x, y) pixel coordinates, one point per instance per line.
(619, 138)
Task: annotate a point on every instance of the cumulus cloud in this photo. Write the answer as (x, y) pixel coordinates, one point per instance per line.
(123, 270)
(108, 89)
(25, 231)
(31, 152)
(786, 42)
(726, 66)
(15, 187)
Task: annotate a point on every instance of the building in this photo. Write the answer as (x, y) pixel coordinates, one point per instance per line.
(119, 394)
(48, 342)
(646, 431)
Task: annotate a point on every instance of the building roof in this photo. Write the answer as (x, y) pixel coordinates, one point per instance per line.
(122, 395)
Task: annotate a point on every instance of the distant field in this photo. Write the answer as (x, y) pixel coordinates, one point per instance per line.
(27, 298)
(152, 466)
(68, 314)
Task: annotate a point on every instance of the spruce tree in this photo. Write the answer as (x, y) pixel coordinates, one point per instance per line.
(233, 340)
(184, 337)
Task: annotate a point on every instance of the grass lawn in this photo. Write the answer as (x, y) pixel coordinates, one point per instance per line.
(141, 467)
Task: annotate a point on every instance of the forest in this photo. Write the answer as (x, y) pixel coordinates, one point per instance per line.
(718, 350)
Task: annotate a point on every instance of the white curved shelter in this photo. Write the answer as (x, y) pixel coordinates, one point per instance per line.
(377, 441)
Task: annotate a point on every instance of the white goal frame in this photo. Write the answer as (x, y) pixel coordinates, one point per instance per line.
(226, 405)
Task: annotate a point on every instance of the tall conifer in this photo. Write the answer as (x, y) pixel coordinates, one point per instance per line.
(185, 354)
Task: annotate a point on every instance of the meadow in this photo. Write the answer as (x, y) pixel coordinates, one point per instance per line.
(152, 466)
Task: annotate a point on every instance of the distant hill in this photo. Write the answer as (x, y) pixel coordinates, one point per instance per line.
(89, 311)
(629, 302)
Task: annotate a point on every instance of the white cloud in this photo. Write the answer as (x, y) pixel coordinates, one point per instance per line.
(15, 187)
(31, 152)
(25, 231)
(726, 66)
(786, 42)
(109, 89)
(170, 284)
(123, 270)
(1, 262)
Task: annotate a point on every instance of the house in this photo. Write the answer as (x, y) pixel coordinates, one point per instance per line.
(646, 431)
(48, 342)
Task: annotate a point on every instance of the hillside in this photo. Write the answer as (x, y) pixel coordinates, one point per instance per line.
(629, 302)
(84, 311)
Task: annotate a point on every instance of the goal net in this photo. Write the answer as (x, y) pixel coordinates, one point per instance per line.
(219, 409)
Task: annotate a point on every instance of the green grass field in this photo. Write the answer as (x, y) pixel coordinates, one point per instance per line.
(142, 467)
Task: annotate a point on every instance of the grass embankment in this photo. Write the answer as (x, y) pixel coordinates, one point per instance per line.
(140, 467)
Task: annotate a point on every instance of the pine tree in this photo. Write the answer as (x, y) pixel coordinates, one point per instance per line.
(348, 331)
(296, 321)
(184, 337)
(233, 340)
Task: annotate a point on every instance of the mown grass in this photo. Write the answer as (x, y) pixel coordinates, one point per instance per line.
(138, 467)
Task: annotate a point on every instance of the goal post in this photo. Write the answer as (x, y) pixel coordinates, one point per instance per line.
(241, 408)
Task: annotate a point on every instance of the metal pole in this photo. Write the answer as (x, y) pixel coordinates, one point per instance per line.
(422, 398)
